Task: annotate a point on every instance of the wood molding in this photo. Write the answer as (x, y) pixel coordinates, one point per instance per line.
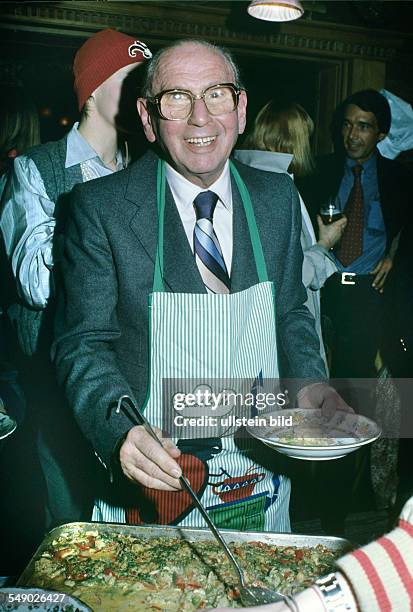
(160, 22)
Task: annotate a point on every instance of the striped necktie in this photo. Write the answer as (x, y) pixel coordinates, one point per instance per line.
(351, 244)
(207, 250)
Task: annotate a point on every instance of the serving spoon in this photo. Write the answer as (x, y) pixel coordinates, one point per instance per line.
(249, 595)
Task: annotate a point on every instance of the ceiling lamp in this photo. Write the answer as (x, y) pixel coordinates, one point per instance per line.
(276, 10)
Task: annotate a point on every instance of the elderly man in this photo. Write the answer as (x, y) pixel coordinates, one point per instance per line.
(216, 246)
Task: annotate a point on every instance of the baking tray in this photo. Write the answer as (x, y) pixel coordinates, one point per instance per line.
(338, 545)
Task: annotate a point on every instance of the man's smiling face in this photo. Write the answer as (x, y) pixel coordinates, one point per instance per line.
(360, 133)
(199, 146)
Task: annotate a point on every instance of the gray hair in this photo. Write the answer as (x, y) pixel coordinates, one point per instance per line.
(152, 67)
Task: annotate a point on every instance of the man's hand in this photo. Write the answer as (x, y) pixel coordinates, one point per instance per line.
(321, 395)
(143, 461)
(331, 233)
(381, 271)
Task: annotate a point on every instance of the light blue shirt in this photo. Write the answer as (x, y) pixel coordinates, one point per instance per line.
(27, 220)
(374, 236)
(80, 151)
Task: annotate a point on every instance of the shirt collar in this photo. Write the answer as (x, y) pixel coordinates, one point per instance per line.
(184, 191)
(79, 150)
(272, 161)
(367, 166)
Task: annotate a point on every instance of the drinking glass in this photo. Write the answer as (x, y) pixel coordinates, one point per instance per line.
(330, 211)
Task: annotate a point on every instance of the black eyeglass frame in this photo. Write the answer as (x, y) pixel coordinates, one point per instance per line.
(156, 100)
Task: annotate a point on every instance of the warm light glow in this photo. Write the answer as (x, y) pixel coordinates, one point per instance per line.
(276, 10)
(64, 121)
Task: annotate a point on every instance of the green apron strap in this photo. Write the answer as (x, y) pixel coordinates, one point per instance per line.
(160, 193)
(252, 226)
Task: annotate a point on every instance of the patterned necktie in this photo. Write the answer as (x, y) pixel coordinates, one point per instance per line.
(207, 250)
(351, 244)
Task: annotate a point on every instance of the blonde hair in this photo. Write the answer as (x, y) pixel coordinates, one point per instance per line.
(284, 128)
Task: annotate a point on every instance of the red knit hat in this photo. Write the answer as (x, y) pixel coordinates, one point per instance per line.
(101, 56)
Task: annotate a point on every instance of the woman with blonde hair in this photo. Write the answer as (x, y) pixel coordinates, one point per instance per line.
(284, 129)
(280, 142)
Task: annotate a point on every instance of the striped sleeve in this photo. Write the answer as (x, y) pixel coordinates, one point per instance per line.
(381, 573)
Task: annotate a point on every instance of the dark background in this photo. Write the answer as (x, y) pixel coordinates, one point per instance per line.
(41, 60)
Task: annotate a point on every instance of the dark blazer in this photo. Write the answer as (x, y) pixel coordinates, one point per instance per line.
(394, 189)
(399, 307)
(107, 273)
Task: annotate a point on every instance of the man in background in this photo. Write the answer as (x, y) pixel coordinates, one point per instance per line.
(372, 191)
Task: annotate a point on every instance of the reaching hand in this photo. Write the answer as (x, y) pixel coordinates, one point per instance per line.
(321, 395)
(331, 233)
(142, 460)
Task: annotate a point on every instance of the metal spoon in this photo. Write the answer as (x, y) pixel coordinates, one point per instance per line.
(250, 595)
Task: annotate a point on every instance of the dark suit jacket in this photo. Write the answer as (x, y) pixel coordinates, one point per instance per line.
(107, 273)
(394, 189)
(399, 307)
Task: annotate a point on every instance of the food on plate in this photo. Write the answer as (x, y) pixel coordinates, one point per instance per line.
(122, 572)
(304, 441)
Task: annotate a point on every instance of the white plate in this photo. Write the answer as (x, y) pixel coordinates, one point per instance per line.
(7, 425)
(306, 434)
(27, 599)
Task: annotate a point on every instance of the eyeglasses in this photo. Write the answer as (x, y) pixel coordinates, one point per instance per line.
(178, 104)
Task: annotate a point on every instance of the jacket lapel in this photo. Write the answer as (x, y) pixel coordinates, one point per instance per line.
(386, 187)
(180, 270)
(141, 191)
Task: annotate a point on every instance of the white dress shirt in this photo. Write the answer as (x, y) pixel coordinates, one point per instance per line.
(27, 220)
(184, 193)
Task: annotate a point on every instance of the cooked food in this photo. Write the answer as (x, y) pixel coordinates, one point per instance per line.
(301, 441)
(297, 440)
(122, 572)
(306, 435)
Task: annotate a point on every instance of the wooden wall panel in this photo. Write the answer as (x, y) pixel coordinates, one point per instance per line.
(39, 39)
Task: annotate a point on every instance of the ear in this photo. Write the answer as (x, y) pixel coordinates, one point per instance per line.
(146, 119)
(242, 112)
(381, 136)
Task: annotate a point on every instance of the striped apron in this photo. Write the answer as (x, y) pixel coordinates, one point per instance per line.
(200, 339)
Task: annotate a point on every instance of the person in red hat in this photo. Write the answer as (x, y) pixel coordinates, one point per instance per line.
(31, 222)
(47, 172)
